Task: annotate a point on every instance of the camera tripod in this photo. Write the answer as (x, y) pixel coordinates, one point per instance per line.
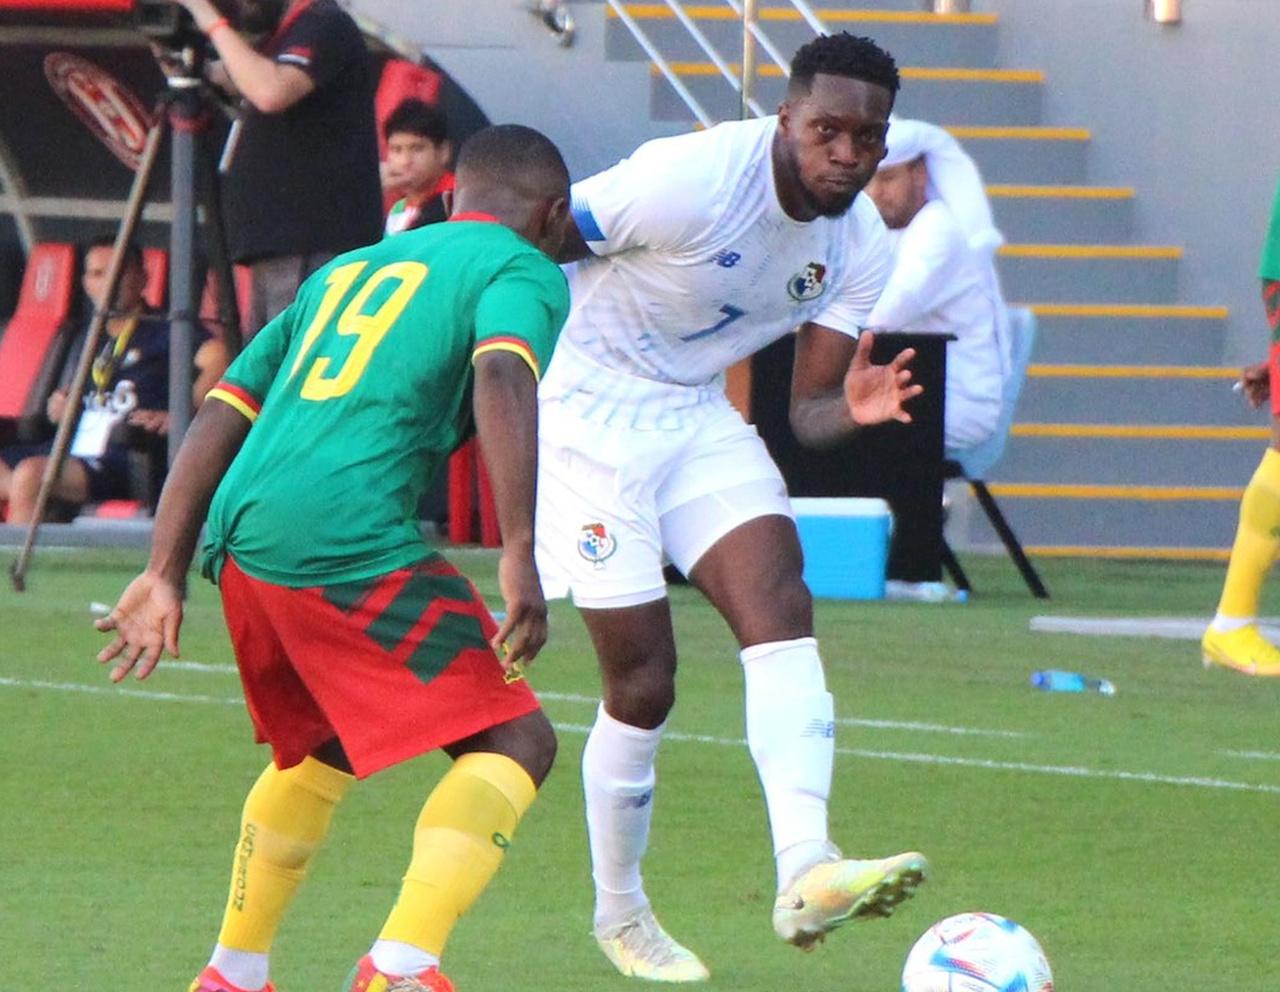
(184, 112)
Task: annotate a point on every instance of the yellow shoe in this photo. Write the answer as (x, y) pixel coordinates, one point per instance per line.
(834, 892)
(1244, 650)
(640, 948)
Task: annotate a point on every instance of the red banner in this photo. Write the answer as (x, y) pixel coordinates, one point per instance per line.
(70, 6)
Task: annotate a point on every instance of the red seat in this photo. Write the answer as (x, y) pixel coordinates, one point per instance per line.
(400, 80)
(469, 484)
(30, 349)
(210, 313)
(156, 263)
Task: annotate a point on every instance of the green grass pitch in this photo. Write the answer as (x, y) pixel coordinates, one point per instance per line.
(1135, 836)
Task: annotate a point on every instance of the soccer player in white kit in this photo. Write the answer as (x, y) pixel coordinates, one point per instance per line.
(696, 252)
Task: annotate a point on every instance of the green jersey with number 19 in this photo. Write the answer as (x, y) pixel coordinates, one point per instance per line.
(360, 390)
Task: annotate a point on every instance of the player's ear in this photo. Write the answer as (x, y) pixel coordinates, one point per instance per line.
(446, 200)
(556, 219)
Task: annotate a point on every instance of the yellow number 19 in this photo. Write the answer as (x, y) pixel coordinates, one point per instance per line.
(369, 328)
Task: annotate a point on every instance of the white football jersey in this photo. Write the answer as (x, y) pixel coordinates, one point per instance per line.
(696, 266)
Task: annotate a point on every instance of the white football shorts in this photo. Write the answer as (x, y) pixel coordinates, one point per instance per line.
(616, 502)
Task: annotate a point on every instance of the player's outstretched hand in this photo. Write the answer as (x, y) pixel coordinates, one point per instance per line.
(876, 393)
(1256, 382)
(146, 621)
(524, 630)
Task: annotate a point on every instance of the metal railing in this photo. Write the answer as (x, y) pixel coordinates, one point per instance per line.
(753, 35)
(664, 67)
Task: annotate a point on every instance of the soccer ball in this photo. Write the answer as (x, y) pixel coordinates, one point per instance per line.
(976, 952)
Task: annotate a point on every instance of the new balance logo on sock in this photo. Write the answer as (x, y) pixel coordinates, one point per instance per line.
(634, 802)
(819, 728)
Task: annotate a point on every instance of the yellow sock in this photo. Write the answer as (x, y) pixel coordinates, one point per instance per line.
(1257, 540)
(286, 817)
(463, 832)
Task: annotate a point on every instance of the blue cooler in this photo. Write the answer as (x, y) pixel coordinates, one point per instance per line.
(846, 545)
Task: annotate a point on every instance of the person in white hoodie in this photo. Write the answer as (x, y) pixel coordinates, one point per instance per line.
(943, 280)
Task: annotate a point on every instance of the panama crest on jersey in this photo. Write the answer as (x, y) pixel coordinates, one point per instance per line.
(808, 284)
(596, 544)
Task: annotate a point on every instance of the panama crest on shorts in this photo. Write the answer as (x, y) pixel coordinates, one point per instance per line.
(808, 284)
(596, 544)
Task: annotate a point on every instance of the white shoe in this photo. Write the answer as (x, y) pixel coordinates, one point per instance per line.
(834, 892)
(640, 948)
(916, 592)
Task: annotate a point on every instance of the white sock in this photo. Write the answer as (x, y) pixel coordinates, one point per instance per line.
(617, 778)
(791, 733)
(247, 969)
(394, 957)
(1225, 625)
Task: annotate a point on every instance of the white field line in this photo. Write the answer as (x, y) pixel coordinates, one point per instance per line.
(1171, 628)
(1253, 755)
(1068, 771)
(572, 697)
(110, 690)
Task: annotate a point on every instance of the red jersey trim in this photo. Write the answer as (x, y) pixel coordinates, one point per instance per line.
(479, 215)
(512, 344)
(238, 398)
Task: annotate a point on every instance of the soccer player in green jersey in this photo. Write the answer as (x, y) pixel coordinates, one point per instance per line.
(357, 647)
(1233, 639)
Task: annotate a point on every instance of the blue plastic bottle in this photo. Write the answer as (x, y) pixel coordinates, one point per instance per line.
(1055, 680)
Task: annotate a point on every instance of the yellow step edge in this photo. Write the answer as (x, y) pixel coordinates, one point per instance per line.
(1021, 133)
(1139, 310)
(660, 11)
(1143, 432)
(1100, 551)
(1036, 490)
(1067, 371)
(771, 71)
(1063, 192)
(973, 75)
(1090, 251)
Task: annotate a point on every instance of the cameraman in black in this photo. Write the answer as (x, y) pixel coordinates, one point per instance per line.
(303, 181)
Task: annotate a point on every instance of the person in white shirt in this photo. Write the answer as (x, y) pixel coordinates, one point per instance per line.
(696, 252)
(941, 282)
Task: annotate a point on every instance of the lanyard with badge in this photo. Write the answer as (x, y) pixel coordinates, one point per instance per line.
(105, 410)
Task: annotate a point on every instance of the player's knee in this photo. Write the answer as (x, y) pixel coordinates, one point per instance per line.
(542, 749)
(642, 697)
(787, 603)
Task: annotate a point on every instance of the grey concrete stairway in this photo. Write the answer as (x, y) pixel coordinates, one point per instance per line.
(1128, 426)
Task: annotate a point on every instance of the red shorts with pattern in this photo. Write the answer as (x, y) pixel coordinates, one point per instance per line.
(392, 666)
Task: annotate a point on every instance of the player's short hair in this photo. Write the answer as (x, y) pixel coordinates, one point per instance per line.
(414, 116)
(132, 253)
(515, 155)
(847, 55)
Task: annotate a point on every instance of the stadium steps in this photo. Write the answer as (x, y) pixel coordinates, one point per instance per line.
(1080, 273)
(957, 40)
(1127, 426)
(958, 95)
(1129, 333)
(1031, 213)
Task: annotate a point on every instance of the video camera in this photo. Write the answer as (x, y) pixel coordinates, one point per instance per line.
(167, 24)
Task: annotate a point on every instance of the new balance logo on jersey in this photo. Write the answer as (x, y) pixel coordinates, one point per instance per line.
(808, 284)
(819, 728)
(726, 259)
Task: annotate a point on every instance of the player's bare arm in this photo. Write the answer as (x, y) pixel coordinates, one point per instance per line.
(1256, 381)
(148, 616)
(835, 388)
(265, 83)
(506, 412)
